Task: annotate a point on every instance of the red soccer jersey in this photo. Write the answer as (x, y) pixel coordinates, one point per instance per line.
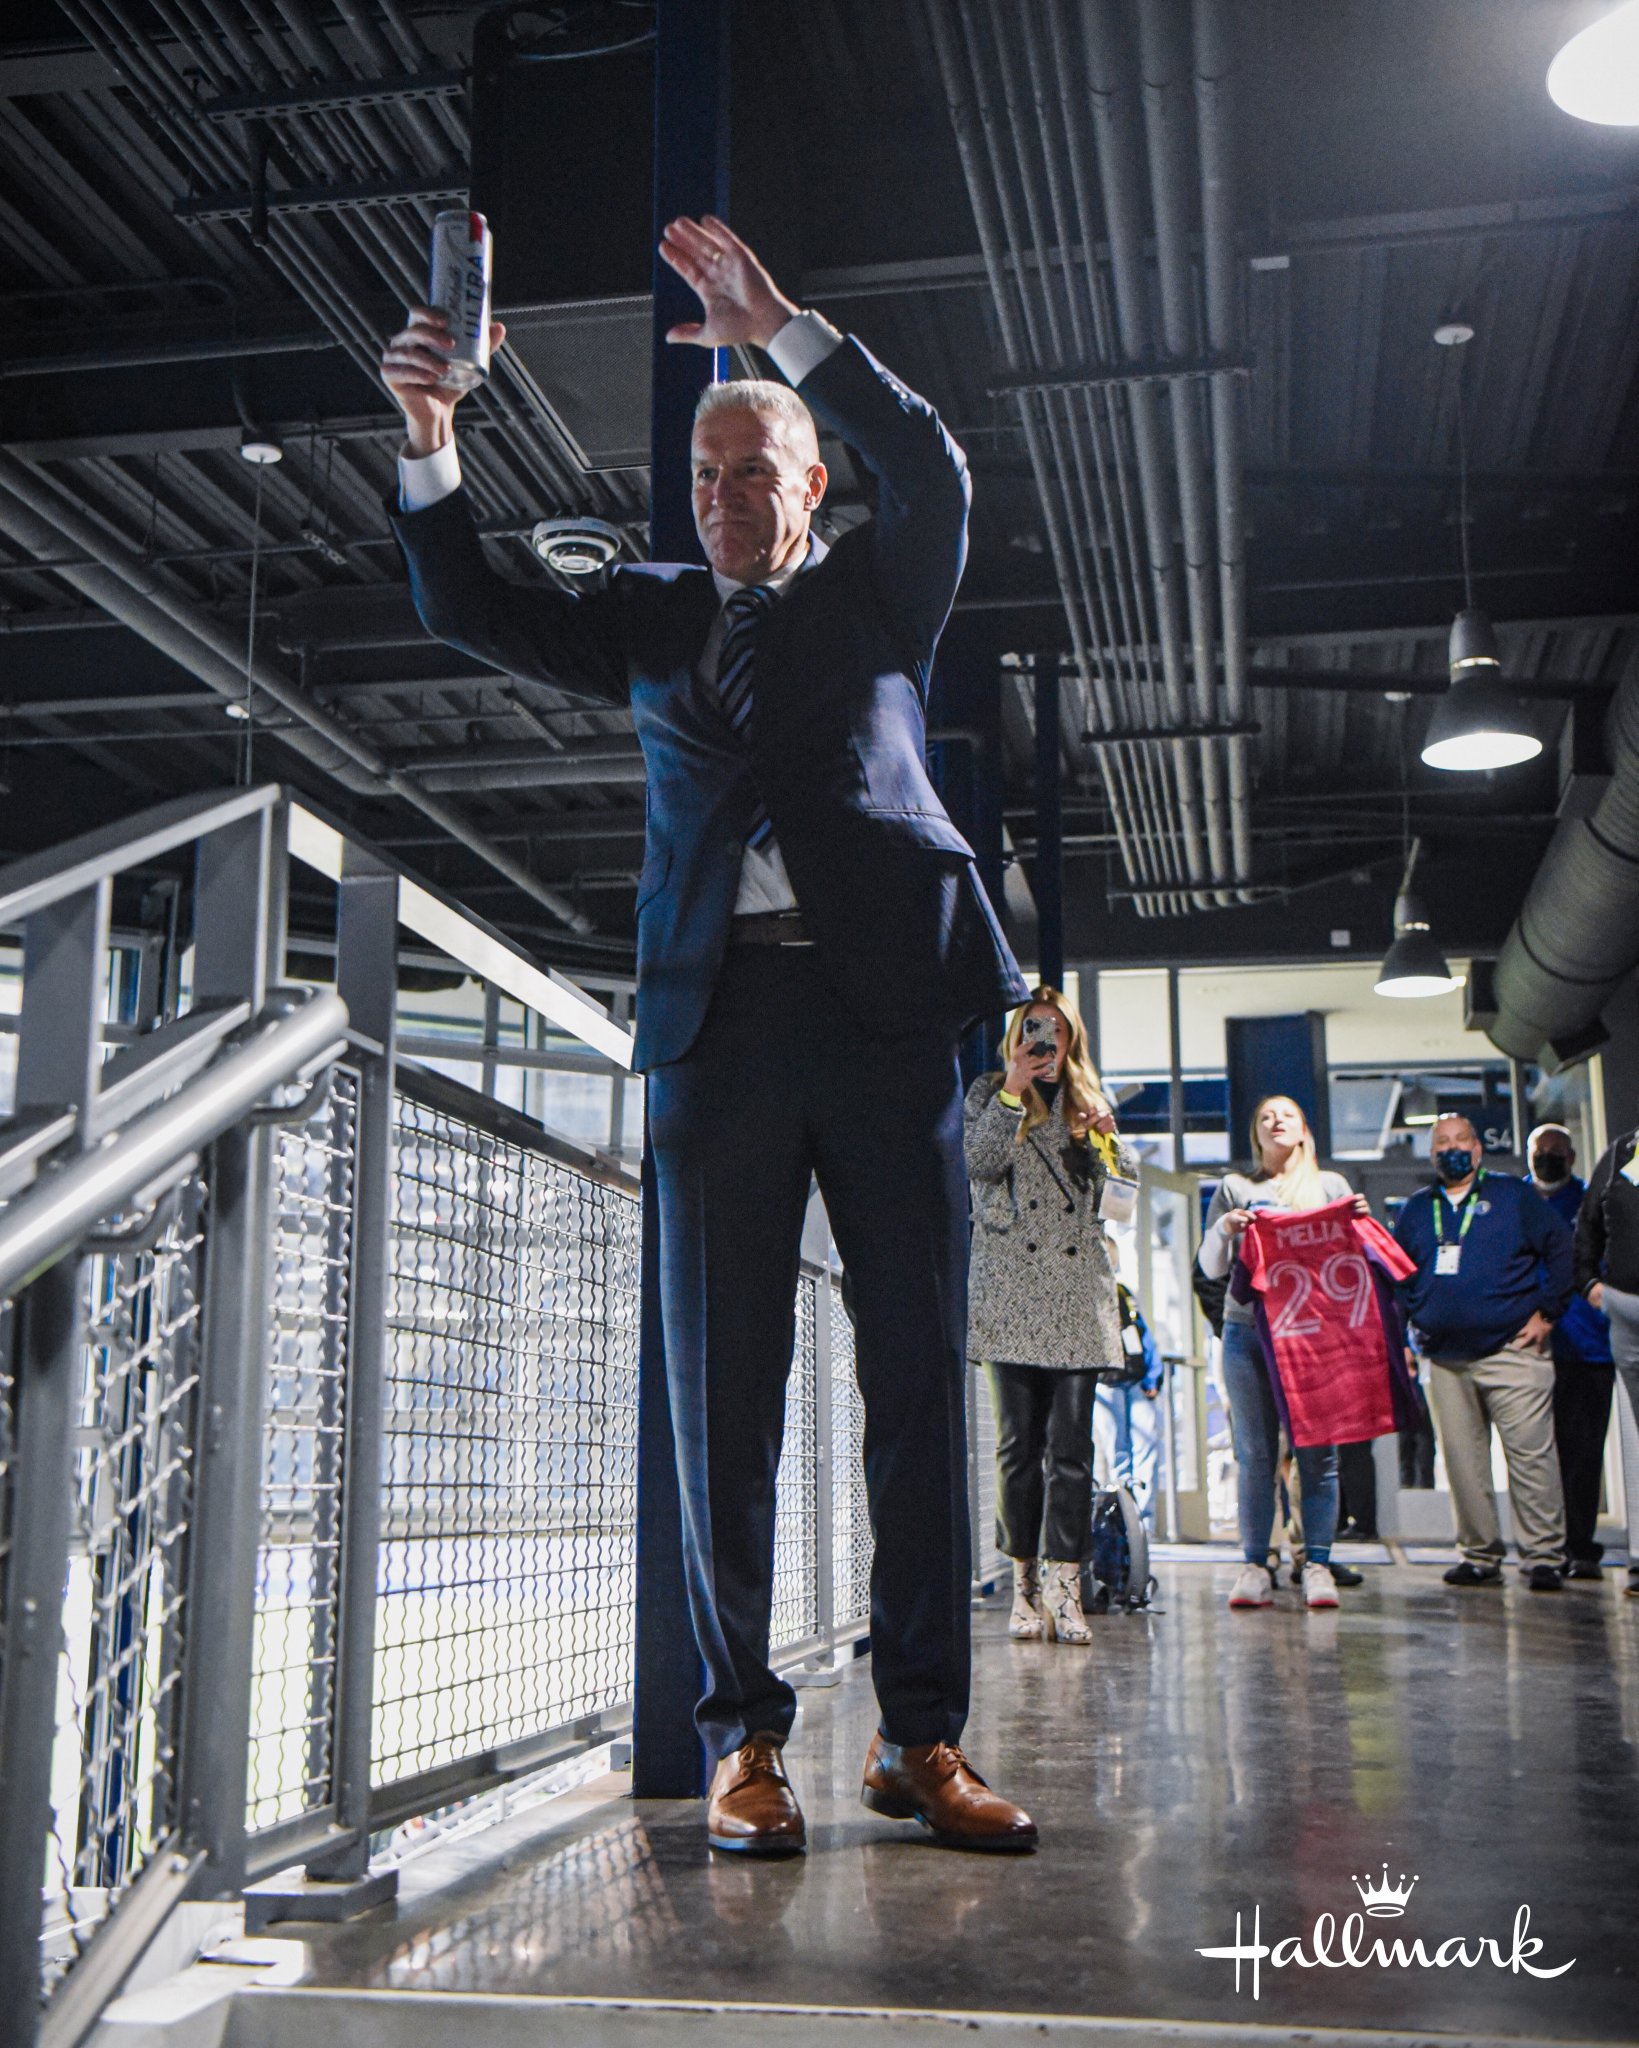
(1320, 1278)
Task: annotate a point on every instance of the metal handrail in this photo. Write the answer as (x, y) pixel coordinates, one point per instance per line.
(41, 879)
(45, 1224)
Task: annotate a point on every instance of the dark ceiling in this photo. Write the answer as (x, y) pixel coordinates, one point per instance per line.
(1391, 164)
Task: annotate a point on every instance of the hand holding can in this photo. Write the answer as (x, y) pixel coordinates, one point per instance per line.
(444, 349)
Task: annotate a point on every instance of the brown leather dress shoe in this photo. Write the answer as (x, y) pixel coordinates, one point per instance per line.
(935, 1784)
(752, 1809)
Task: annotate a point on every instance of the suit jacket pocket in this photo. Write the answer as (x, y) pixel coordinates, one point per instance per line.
(931, 831)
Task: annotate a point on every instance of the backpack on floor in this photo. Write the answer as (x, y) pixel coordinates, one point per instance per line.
(1118, 1572)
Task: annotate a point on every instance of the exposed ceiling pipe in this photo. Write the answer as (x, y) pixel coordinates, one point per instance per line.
(1016, 353)
(1167, 108)
(1214, 113)
(1114, 111)
(41, 517)
(1576, 938)
(525, 767)
(1127, 635)
(1090, 419)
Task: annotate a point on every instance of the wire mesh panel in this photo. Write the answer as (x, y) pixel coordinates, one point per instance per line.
(7, 1457)
(293, 1690)
(988, 1561)
(852, 1546)
(508, 1560)
(119, 1691)
(796, 1545)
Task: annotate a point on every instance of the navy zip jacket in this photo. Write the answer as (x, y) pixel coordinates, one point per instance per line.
(1516, 1260)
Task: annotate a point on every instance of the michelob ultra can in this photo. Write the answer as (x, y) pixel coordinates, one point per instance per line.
(458, 285)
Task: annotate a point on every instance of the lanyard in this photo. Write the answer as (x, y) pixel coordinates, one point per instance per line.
(1468, 1211)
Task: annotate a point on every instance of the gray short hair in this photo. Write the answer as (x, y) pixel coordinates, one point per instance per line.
(762, 394)
(1457, 1116)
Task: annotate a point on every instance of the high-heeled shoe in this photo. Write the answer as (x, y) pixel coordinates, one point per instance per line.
(1026, 1623)
(1061, 1602)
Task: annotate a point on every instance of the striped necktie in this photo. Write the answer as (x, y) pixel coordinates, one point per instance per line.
(743, 612)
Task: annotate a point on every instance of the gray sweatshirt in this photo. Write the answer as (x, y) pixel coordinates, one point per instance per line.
(1218, 1247)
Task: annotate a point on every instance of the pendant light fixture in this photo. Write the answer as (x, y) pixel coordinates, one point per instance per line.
(1477, 724)
(1414, 965)
(1596, 75)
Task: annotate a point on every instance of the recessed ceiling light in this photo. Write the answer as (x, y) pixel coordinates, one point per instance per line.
(1453, 333)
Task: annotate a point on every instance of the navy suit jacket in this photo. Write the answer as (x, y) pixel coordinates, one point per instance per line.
(888, 889)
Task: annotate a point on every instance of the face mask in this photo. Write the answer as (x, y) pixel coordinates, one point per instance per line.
(1453, 1164)
(1551, 1168)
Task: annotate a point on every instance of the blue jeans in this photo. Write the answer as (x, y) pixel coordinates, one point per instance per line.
(1133, 1428)
(1254, 1421)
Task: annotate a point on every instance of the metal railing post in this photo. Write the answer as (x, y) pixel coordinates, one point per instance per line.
(58, 1053)
(825, 1496)
(367, 981)
(1169, 1432)
(238, 942)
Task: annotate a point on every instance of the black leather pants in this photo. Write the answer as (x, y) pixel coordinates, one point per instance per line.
(1044, 1460)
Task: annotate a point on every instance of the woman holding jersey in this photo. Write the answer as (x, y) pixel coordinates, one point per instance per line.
(1287, 1175)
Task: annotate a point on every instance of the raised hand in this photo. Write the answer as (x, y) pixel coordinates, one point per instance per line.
(739, 300)
(413, 365)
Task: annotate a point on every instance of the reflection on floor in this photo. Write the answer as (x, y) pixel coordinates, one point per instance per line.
(1193, 1769)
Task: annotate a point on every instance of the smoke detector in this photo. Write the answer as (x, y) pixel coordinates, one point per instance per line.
(575, 547)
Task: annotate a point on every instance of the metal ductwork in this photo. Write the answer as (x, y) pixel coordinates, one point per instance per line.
(1064, 121)
(1576, 938)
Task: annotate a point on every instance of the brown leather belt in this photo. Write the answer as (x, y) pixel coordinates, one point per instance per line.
(769, 928)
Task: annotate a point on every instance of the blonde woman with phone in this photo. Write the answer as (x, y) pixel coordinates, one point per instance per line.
(1047, 1167)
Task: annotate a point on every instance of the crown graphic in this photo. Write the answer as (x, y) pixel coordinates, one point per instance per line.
(1382, 1900)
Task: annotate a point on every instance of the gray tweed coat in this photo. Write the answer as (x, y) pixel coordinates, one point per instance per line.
(1042, 1286)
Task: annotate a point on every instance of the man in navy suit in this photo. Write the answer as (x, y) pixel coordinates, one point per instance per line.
(812, 939)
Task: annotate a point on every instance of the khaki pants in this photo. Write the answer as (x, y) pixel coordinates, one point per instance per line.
(1515, 1391)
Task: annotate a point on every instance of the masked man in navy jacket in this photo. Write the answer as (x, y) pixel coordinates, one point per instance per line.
(1493, 1277)
(812, 939)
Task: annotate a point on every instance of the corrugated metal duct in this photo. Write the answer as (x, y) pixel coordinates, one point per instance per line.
(1576, 938)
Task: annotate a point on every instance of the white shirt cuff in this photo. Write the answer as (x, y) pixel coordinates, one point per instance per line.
(424, 479)
(802, 344)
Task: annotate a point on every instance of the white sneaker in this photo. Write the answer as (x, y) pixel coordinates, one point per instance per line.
(1252, 1588)
(1319, 1587)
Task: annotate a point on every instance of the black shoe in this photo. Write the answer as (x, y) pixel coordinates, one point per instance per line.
(1466, 1574)
(1345, 1574)
(1631, 1589)
(1355, 1534)
(1584, 1568)
(1544, 1578)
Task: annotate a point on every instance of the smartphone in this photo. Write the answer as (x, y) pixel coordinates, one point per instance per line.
(1040, 1034)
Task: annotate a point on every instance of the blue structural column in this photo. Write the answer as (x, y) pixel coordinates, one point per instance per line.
(1049, 869)
(690, 177)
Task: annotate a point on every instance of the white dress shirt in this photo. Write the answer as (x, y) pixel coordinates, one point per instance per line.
(800, 346)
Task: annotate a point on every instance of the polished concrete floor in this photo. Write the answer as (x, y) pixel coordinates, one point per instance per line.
(1193, 1767)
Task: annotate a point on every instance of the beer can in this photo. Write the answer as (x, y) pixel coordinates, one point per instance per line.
(459, 285)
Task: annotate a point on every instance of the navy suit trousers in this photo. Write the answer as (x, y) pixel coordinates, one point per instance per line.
(782, 1083)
